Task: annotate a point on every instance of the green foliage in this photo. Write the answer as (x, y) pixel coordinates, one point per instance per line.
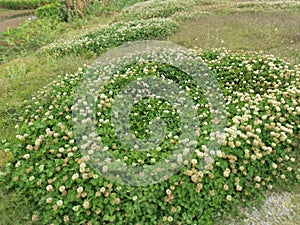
(24, 4)
(115, 34)
(53, 11)
(28, 36)
(260, 150)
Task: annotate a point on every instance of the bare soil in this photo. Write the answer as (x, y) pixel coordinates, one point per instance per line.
(13, 18)
(14, 13)
(12, 23)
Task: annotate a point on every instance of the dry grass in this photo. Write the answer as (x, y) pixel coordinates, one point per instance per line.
(275, 33)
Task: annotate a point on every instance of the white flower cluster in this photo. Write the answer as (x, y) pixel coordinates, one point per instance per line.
(113, 35)
(259, 143)
(155, 8)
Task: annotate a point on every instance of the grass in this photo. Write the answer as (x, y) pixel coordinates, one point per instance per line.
(23, 4)
(4, 10)
(13, 207)
(21, 78)
(273, 32)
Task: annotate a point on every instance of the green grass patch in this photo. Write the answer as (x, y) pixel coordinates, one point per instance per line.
(4, 10)
(17, 205)
(21, 78)
(24, 4)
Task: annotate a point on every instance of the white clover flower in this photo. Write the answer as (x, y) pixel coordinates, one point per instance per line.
(81, 170)
(292, 159)
(226, 173)
(200, 154)
(80, 189)
(135, 198)
(86, 204)
(257, 179)
(66, 219)
(274, 165)
(82, 165)
(185, 162)
(29, 147)
(41, 168)
(194, 161)
(26, 156)
(170, 218)
(62, 188)
(75, 176)
(225, 186)
(218, 153)
(18, 164)
(238, 143)
(228, 198)
(168, 192)
(102, 190)
(85, 176)
(20, 137)
(49, 200)
(59, 203)
(49, 187)
(239, 188)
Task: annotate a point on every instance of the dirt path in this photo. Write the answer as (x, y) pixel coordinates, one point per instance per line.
(13, 18)
(14, 13)
(12, 22)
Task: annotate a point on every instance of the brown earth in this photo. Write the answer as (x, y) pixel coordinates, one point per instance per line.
(13, 18)
(14, 13)
(12, 22)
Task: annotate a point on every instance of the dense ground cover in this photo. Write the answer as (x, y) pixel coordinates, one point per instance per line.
(259, 153)
(113, 35)
(260, 150)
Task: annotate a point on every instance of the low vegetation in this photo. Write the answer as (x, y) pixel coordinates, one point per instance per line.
(24, 4)
(259, 146)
